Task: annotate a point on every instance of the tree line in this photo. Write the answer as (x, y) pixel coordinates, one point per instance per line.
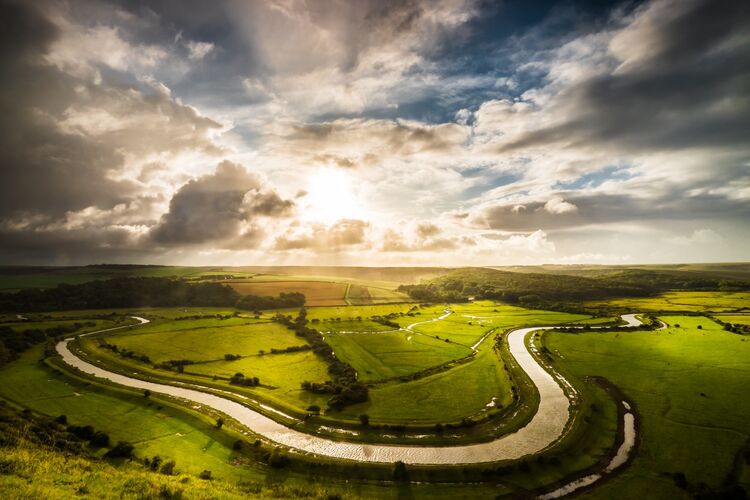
(344, 387)
(141, 292)
(546, 289)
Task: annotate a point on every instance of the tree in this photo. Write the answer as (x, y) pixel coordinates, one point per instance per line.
(146, 393)
(400, 472)
(364, 419)
(219, 422)
(206, 474)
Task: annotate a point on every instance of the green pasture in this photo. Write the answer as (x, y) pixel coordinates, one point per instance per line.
(279, 372)
(378, 356)
(206, 343)
(736, 319)
(701, 302)
(446, 396)
(350, 326)
(690, 385)
(349, 312)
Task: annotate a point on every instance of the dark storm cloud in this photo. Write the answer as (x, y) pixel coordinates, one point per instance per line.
(599, 208)
(43, 169)
(58, 154)
(683, 83)
(63, 246)
(214, 207)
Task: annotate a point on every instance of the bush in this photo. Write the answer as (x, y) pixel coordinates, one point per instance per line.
(237, 446)
(85, 432)
(99, 439)
(364, 419)
(121, 450)
(206, 474)
(219, 422)
(278, 459)
(168, 468)
(313, 409)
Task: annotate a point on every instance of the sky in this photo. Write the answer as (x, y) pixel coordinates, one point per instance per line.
(374, 132)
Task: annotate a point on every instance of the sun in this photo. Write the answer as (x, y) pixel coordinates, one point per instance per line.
(331, 197)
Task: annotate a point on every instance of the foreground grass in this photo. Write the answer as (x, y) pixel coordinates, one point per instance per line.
(690, 385)
(31, 471)
(155, 428)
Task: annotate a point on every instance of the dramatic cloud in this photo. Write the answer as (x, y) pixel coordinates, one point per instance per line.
(405, 132)
(218, 207)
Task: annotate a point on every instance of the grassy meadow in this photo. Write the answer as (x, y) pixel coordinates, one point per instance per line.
(690, 384)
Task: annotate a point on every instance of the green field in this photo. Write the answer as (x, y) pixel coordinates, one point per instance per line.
(701, 302)
(424, 365)
(446, 396)
(690, 385)
(155, 429)
(380, 356)
(368, 311)
(211, 342)
(734, 319)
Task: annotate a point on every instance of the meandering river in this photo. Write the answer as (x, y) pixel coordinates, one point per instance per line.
(544, 429)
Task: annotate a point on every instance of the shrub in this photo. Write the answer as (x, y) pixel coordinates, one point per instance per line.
(278, 459)
(206, 474)
(99, 439)
(168, 468)
(121, 450)
(83, 432)
(313, 409)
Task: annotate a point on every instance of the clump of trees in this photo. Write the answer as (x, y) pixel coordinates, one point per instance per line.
(13, 342)
(345, 389)
(283, 301)
(386, 320)
(125, 353)
(240, 379)
(294, 348)
(737, 328)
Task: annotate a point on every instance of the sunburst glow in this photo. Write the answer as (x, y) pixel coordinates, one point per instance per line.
(331, 197)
